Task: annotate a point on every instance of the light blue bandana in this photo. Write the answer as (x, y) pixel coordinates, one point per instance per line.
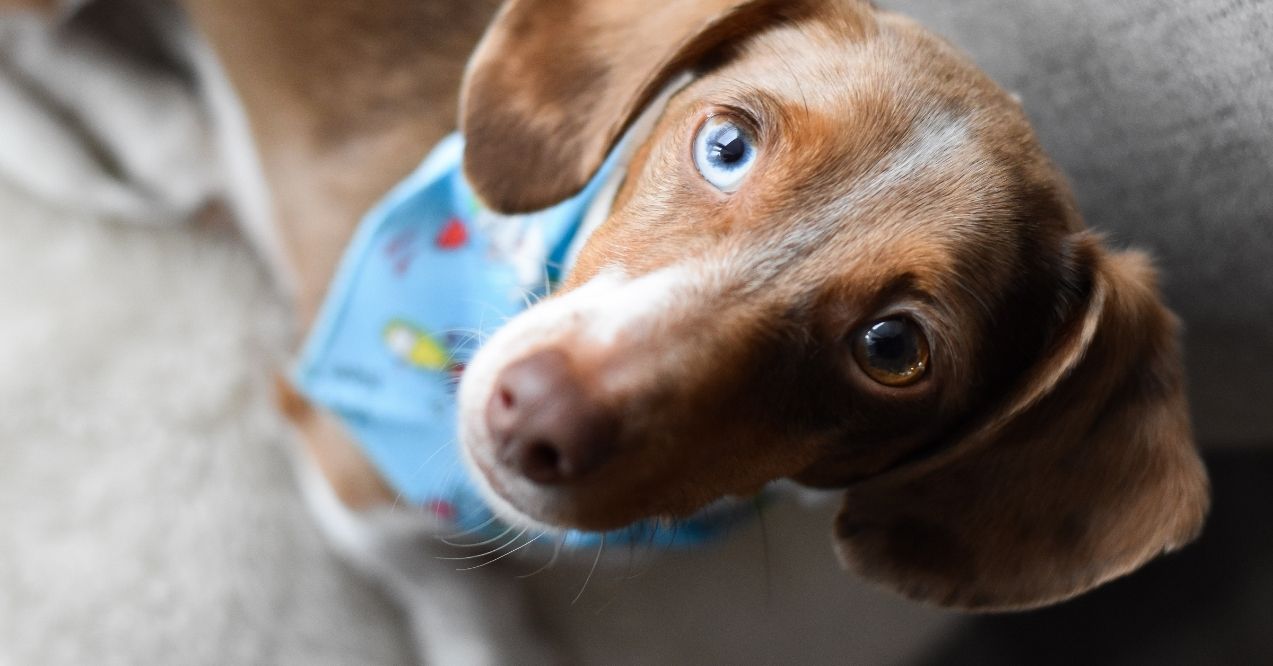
(426, 271)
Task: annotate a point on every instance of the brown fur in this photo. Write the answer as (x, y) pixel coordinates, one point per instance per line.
(1046, 450)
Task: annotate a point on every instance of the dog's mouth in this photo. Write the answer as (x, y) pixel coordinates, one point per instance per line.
(520, 501)
(612, 498)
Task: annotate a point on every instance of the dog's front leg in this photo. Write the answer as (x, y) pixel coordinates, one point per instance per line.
(481, 616)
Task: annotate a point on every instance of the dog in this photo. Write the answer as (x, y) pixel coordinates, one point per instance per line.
(837, 256)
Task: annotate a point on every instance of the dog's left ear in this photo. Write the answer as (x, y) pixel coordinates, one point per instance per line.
(554, 84)
(1082, 474)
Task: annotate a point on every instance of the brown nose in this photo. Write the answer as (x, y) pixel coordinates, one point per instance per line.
(544, 422)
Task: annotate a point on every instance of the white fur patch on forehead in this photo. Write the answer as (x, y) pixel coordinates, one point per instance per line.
(938, 143)
(940, 146)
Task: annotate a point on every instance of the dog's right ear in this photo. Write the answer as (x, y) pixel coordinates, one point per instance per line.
(554, 84)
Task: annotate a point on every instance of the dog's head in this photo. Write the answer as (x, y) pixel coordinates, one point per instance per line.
(838, 257)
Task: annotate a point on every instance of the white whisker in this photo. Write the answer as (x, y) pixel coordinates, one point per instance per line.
(493, 539)
(469, 531)
(492, 551)
(397, 500)
(551, 561)
(479, 566)
(595, 560)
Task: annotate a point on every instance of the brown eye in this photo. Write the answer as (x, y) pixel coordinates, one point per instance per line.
(893, 352)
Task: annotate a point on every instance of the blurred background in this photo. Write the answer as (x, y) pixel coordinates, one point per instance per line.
(148, 512)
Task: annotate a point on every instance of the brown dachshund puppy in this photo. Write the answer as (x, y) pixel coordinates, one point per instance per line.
(838, 256)
(890, 293)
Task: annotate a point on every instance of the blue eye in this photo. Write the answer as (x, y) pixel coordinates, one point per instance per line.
(723, 153)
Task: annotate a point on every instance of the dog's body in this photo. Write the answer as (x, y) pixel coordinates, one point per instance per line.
(1014, 468)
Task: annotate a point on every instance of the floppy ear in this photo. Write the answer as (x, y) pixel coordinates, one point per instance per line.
(554, 84)
(1080, 476)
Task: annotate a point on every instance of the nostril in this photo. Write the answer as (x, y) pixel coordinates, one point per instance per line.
(503, 412)
(505, 398)
(542, 462)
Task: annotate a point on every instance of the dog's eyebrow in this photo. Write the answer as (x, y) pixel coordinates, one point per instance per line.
(760, 106)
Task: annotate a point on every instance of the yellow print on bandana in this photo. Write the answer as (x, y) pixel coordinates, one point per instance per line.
(413, 346)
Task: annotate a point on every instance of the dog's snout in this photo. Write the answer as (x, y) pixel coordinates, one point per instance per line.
(544, 422)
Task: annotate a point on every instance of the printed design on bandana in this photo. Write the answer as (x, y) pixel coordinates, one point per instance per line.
(453, 235)
(400, 251)
(428, 275)
(415, 347)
